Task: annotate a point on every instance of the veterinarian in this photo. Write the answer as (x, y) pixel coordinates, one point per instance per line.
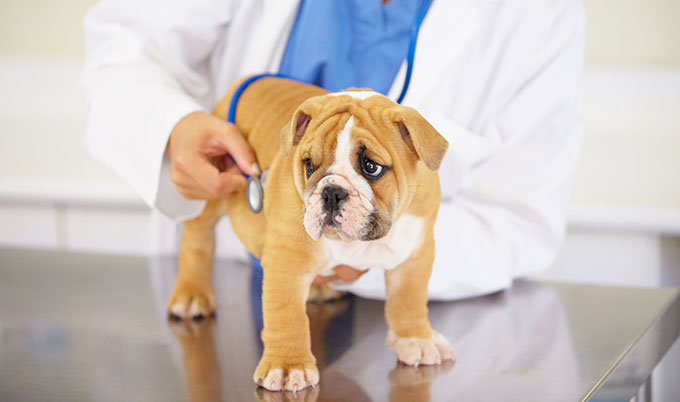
(501, 80)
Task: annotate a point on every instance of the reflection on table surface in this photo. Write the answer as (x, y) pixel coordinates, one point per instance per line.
(83, 327)
(511, 343)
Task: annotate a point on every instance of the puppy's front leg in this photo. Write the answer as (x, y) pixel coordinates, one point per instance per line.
(287, 362)
(410, 334)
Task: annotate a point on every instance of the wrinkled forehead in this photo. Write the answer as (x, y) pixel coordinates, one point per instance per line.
(351, 119)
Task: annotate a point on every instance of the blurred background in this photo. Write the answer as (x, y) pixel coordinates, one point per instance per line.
(624, 225)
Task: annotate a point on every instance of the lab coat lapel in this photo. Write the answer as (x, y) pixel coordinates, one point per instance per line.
(271, 36)
(447, 28)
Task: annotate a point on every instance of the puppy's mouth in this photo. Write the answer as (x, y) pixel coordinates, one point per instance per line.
(372, 229)
(331, 228)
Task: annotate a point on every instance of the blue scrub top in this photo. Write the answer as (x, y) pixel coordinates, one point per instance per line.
(337, 44)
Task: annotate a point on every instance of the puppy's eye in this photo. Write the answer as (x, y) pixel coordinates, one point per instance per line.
(309, 167)
(371, 169)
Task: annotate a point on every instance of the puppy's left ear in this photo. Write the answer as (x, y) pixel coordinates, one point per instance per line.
(419, 135)
(293, 131)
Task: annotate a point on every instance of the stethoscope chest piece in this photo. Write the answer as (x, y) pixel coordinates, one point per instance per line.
(255, 193)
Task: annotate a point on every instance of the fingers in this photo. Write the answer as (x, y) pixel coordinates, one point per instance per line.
(206, 182)
(209, 178)
(320, 279)
(231, 141)
(194, 142)
(347, 273)
(233, 180)
(343, 273)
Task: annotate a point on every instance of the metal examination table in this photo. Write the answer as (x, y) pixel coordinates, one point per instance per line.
(77, 327)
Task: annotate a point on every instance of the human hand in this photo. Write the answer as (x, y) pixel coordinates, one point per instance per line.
(194, 142)
(342, 272)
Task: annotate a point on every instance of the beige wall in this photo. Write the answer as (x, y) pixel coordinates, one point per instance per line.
(633, 32)
(620, 32)
(42, 28)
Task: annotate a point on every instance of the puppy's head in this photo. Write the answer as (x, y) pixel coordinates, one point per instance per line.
(355, 162)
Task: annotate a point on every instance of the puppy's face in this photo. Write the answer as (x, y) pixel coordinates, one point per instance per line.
(355, 160)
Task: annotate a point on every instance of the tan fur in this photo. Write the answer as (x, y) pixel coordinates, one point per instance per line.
(290, 258)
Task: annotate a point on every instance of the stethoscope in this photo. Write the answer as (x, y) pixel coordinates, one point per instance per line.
(255, 185)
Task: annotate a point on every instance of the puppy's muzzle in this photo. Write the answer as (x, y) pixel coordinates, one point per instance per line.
(333, 197)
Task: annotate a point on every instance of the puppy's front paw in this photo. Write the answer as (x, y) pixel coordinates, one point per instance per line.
(291, 376)
(191, 300)
(416, 351)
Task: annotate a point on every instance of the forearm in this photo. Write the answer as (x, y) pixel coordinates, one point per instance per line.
(131, 117)
(145, 71)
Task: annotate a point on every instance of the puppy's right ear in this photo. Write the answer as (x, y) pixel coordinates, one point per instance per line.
(292, 132)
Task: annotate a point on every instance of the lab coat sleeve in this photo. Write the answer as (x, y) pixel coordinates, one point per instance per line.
(146, 68)
(507, 217)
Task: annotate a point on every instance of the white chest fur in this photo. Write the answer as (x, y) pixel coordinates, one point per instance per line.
(385, 253)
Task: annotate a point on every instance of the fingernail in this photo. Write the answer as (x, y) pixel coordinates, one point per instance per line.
(255, 168)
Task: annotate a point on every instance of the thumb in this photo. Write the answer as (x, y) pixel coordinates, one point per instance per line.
(233, 142)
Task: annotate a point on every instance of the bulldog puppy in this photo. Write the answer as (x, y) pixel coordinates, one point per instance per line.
(352, 180)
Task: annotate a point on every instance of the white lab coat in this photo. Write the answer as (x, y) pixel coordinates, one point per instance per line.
(501, 80)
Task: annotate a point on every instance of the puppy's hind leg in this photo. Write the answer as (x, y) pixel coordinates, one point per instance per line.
(192, 296)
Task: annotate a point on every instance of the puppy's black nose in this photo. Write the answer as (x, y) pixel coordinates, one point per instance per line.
(333, 197)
